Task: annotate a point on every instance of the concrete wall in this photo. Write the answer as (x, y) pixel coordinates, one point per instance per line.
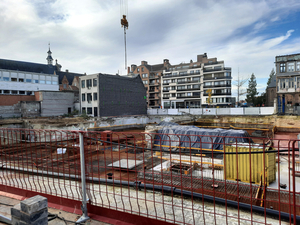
(21, 109)
(215, 111)
(56, 103)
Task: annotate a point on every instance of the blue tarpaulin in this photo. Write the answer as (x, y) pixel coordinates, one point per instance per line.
(174, 135)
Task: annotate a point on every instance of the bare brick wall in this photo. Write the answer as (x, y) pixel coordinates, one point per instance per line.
(14, 99)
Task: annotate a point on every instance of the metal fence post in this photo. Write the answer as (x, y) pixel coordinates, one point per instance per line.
(84, 216)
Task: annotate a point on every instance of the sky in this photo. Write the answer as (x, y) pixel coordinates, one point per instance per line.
(86, 36)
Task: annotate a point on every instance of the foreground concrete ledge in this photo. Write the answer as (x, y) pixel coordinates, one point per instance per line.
(34, 204)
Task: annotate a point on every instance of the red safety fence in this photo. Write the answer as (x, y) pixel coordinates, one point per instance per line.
(182, 179)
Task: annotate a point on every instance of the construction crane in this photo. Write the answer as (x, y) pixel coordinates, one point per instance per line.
(124, 23)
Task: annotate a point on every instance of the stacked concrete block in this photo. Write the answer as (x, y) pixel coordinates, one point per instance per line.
(33, 211)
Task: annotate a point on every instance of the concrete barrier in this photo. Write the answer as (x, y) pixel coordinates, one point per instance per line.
(252, 111)
(267, 110)
(223, 111)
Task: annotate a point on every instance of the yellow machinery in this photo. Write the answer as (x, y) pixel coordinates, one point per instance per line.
(261, 165)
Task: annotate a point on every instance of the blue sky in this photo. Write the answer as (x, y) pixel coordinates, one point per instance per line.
(86, 36)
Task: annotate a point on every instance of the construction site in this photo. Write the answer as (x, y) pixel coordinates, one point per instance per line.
(179, 170)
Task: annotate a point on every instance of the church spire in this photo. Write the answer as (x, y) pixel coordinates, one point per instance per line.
(49, 58)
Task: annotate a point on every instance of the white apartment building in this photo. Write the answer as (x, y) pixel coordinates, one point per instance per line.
(206, 82)
(26, 83)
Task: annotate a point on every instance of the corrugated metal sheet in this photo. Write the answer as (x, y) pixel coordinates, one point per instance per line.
(261, 167)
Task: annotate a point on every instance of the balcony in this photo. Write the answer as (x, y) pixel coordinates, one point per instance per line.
(165, 90)
(216, 78)
(216, 94)
(153, 84)
(216, 69)
(198, 96)
(153, 91)
(181, 75)
(219, 85)
(189, 89)
(189, 81)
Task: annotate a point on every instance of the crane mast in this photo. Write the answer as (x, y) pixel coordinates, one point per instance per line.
(124, 23)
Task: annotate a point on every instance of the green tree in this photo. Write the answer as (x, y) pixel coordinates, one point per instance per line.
(251, 90)
(261, 100)
(272, 74)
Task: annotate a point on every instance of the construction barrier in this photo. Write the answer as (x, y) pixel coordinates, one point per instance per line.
(133, 177)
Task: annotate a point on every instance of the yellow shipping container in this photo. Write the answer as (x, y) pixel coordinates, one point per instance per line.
(238, 166)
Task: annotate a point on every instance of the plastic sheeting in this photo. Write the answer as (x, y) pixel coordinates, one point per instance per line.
(174, 135)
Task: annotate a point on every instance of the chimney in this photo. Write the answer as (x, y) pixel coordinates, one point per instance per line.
(128, 70)
(133, 67)
(67, 71)
(166, 62)
(144, 63)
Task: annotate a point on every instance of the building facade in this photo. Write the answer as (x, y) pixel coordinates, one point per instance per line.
(112, 95)
(287, 82)
(204, 83)
(151, 78)
(25, 78)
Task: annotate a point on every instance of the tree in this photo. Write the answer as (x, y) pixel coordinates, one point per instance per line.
(251, 90)
(271, 76)
(261, 100)
(239, 84)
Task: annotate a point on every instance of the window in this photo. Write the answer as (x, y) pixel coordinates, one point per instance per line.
(14, 79)
(282, 68)
(196, 86)
(196, 94)
(181, 88)
(138, 69)
(188, 86)
(53, 82)
(65, 86)
(174, 95)
(142, 69)
(298, 82)
(89, 83)
(146, 82)
(298, 66)
(291, 67)
(21, 92)
(95, 96)
(175, 73)
(14, 92)
(196, 79)
(144, 75)
(83, 84)
(41, 81)
(291, 82)
(47, 81)
(173, 81)
(6, 91)
(183, 73)
(89, 97)
(29, 92)
(83, 110)
(37, 81)
(29, 81)
(181, 80)
(5, 78)
(166, 95)
(173, 88)
(166, 88)
(83, 97)
(189, 94)
(95, 82)
(192, 72)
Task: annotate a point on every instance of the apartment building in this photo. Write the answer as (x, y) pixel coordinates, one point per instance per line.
(151, 78)
(204, 83)
(112, 95)
(288, 82)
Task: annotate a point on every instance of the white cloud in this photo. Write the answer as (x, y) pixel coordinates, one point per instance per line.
(86, 36)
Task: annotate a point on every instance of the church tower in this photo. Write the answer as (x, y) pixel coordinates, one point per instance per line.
(49, 58)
